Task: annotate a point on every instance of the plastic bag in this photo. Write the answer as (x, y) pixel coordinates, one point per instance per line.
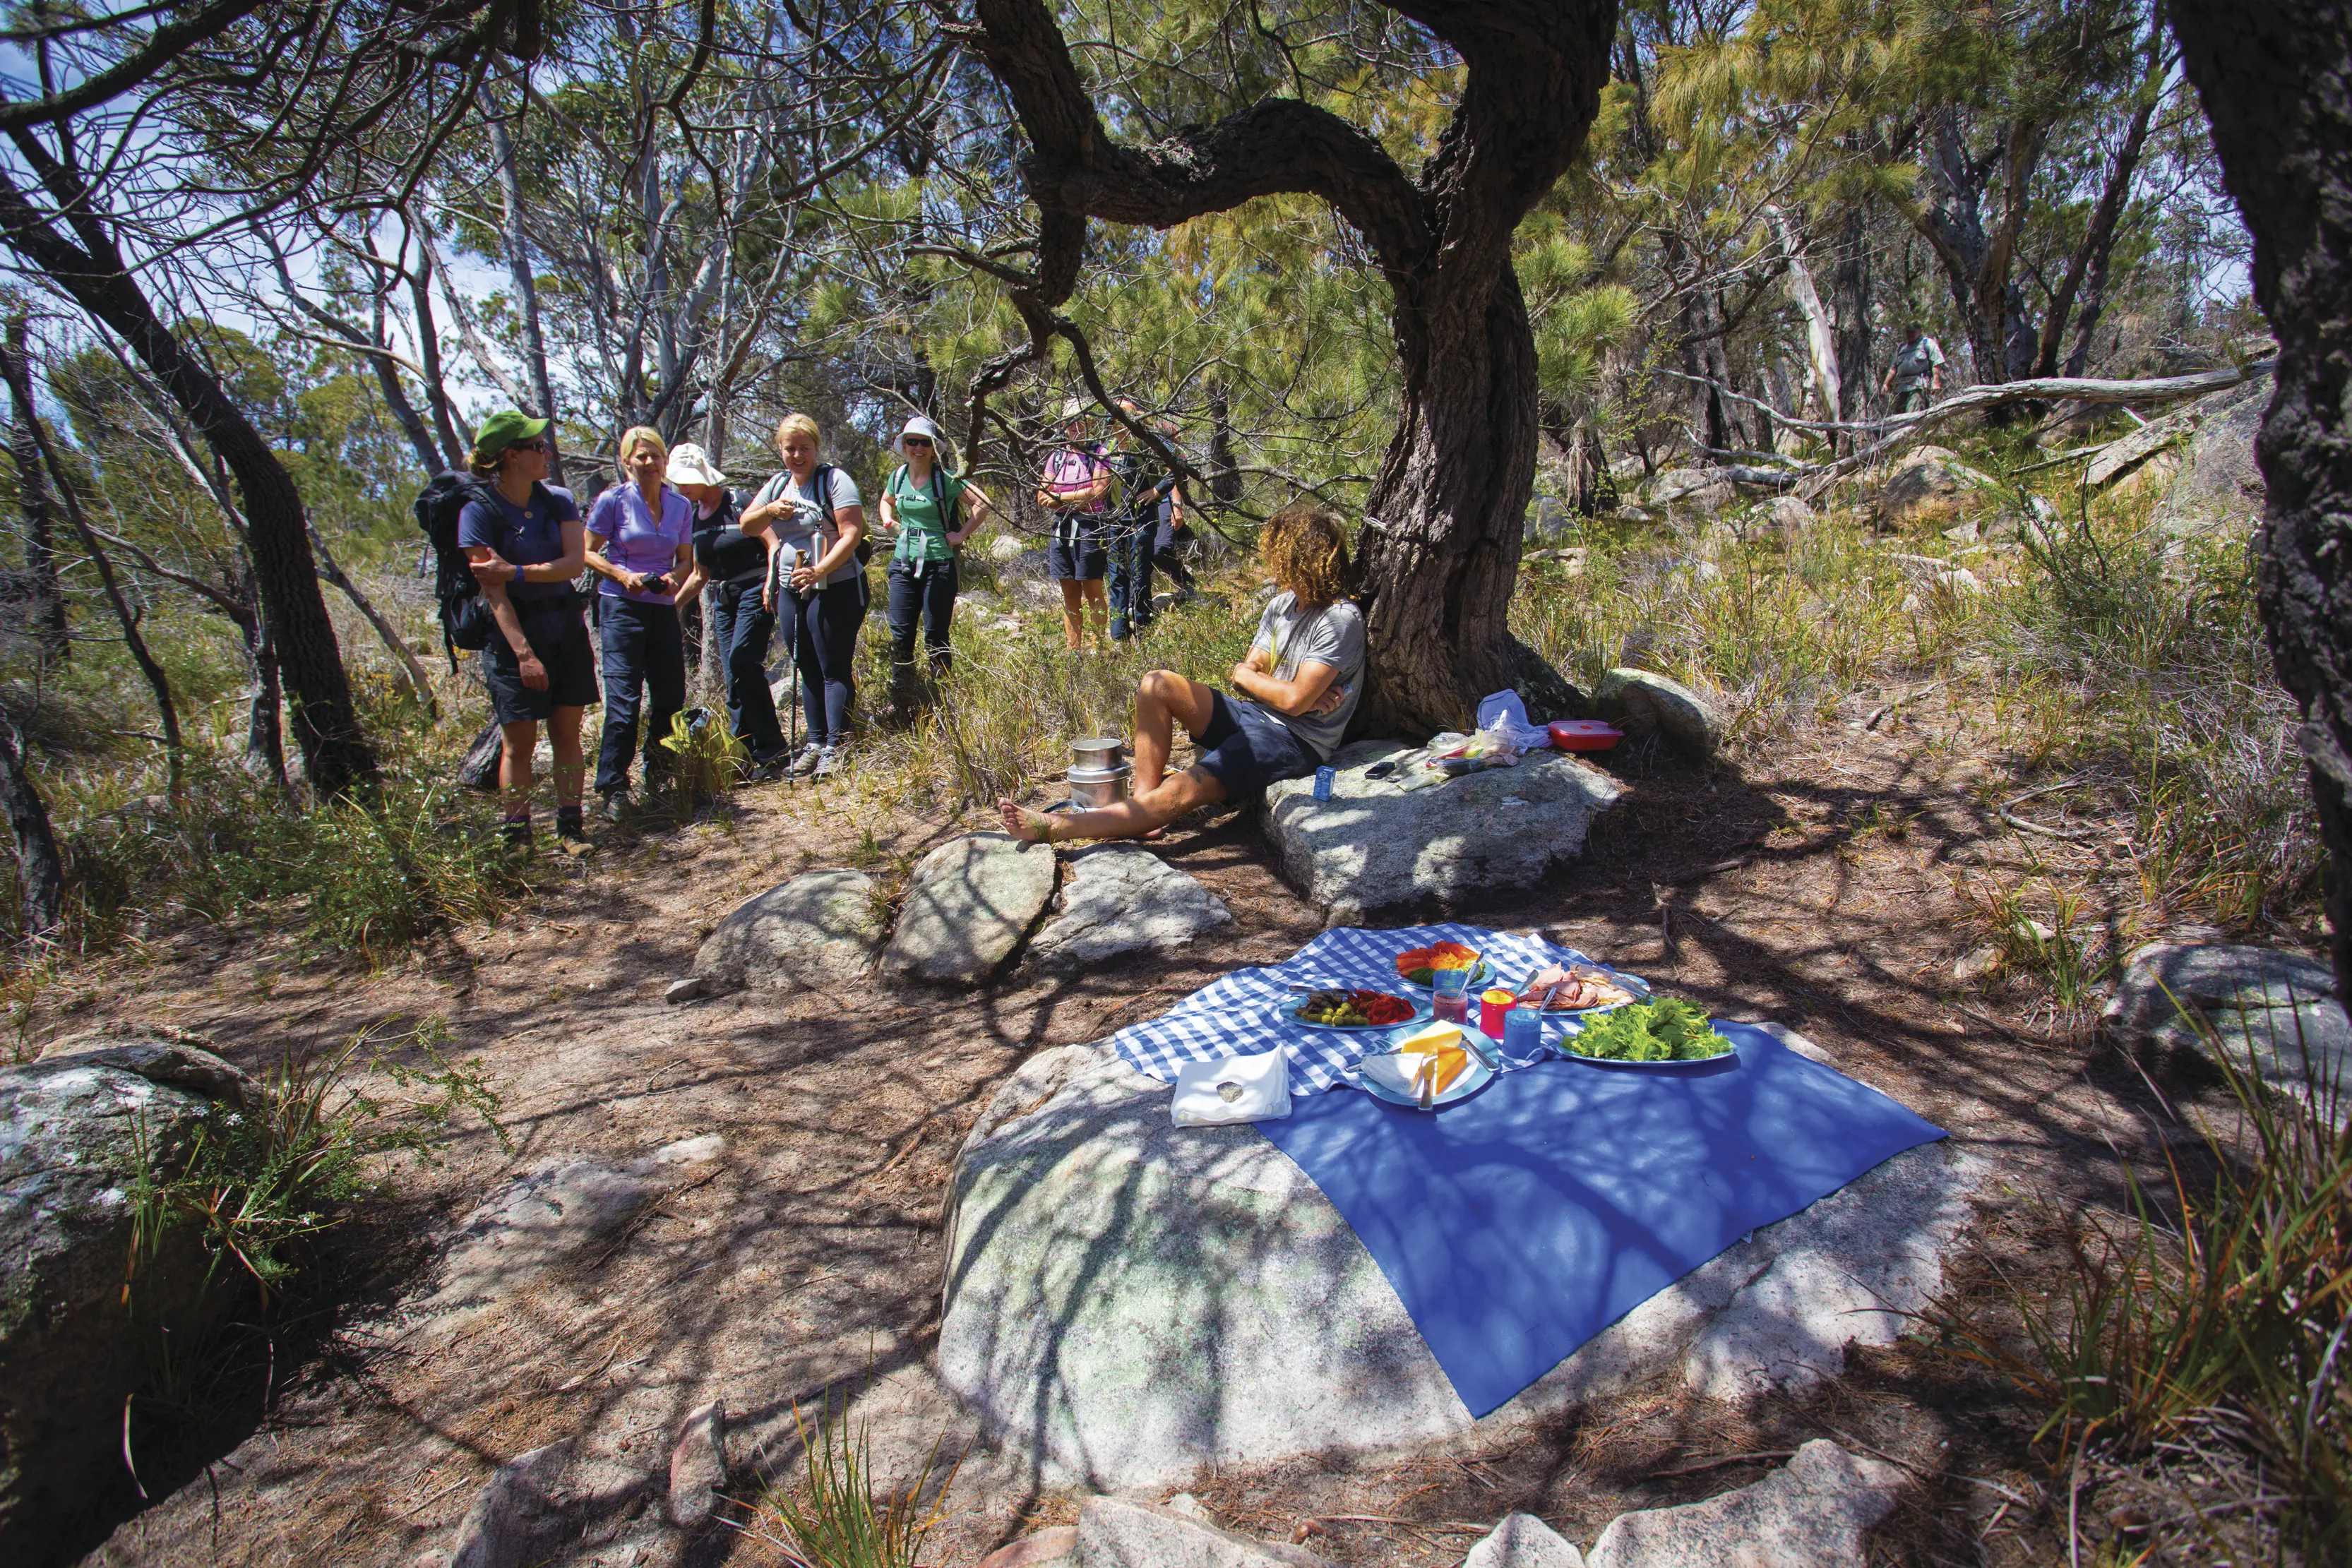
(1504, 712)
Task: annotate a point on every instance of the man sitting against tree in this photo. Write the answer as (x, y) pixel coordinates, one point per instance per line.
(1299, 687)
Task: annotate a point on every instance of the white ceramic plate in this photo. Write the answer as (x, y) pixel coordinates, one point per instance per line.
(1382, 1078)
(1287, 1013)
(1478, 978)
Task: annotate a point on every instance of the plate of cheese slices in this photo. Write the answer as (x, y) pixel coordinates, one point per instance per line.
(1425, 1069)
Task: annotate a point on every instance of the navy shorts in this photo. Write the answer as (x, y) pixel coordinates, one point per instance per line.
(560, 637)
(1245, 748)
(1087, 560)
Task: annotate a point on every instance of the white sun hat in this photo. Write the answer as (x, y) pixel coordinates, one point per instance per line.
(918, 425)
(689, 466)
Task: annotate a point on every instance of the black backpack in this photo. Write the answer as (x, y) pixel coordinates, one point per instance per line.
(465, 620)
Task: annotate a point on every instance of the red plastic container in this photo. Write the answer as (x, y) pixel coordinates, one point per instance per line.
(1491, 1011)
(1584, 734)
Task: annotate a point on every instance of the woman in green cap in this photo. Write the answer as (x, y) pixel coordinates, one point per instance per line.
(524, 539)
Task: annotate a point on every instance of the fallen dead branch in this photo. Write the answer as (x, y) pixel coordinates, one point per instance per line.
(1899, 430)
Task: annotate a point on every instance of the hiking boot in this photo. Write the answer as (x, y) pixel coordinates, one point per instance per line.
(615, 805)
(768, 769)
(515, 833)
(807, 762)
(570, 828)
(829, 761)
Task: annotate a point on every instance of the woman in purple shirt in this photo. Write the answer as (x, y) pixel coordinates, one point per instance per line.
(641, 542)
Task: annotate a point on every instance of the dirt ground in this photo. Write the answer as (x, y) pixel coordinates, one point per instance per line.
(1814, 886)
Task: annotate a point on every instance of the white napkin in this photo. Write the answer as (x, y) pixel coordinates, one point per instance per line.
(1237, 1089)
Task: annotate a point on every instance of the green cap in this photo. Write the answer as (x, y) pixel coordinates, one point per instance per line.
(503, 429)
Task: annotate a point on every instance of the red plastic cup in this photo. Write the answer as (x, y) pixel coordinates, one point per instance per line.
(1492, 1007)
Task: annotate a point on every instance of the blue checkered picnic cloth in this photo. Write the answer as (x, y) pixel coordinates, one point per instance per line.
(1241, 1014)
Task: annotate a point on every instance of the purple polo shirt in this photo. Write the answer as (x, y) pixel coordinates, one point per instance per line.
(636, 540)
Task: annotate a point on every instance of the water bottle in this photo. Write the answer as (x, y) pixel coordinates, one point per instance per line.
(1324, 778)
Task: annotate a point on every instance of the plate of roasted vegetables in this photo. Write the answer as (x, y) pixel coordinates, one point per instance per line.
(1580, 988)
(1668, 1033)
(1348, 1009)
(1432, 1067)
(1419, 966)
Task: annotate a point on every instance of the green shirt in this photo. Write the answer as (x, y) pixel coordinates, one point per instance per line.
(923, 531)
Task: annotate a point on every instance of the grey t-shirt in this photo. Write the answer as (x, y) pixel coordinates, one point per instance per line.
(803, 525)
(1332, 635)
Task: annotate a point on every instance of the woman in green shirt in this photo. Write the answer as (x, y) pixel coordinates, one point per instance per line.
(932, 512)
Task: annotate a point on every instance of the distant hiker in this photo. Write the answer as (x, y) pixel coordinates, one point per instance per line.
(735, 563)
(1916, 375)
(1076, 487)
(813, 517)
(641, 542)
(932, 511)
(1148, 493)
(1299, 687)
(523, 538)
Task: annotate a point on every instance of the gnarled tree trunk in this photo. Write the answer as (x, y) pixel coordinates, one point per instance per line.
(2277, 83)
(1440, 546)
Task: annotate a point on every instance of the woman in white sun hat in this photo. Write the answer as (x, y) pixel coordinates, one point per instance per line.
(1077, 488)
(932, 510)
(735, 563)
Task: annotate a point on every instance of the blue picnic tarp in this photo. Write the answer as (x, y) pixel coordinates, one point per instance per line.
(1517, 1224)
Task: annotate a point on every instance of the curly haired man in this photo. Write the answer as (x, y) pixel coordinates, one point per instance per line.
(1299, 687)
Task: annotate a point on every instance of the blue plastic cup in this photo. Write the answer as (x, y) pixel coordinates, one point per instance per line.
(1522, 1033)
(1324, 778)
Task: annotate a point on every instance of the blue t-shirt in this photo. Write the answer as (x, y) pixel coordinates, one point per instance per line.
(528, 535)
(636, 540)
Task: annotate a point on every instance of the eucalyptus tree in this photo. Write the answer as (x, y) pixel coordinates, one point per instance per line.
(156, 128)
(1440, 544)
(2273, 79)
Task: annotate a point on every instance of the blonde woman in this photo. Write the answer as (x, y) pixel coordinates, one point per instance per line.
(641, 542)
(1299, 687)
(813, 510)
(522, 538)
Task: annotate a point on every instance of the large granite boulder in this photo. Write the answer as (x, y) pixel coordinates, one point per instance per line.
(77, 1128)
(1646, 703)
(1126, 1301)
(1121, 899)
(1523, 1541)
(815, 931)
(970, 903)
(1114, 1532)
(2265, 1007)
(1929, 485)
(1689, 489)
(2218, 482)
(1375, 846)
(1811, 1514)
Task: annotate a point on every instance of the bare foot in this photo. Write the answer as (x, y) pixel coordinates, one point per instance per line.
(1030, 826)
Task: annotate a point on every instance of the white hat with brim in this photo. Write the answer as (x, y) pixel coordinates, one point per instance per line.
(918, 425)
(688, 465)
(1074, 408)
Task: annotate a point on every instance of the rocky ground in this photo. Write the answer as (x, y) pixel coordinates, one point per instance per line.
(740, 1198)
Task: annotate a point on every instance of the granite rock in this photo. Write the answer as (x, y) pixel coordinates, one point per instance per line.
(1121, 899)
(515, 1513)
(697, 1467)
(1689, 489)
(1375, 846)
(1101, 1264)
(1115, 1532)
(2264, 1007)
(818, 930)
(2217, 484)
(1811, 1514)
(72, 1127)
(1523, 1541)
(970, 903)
(1646, 703)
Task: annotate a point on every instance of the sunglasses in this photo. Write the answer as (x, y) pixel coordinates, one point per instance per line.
(915, 440)
(535, 444)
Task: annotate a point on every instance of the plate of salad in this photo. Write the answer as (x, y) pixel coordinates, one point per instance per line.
(1418, 966)
(1668, 1033)
(1349, 1011)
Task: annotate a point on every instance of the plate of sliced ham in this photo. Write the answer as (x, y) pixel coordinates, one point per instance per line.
(1580, 988)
